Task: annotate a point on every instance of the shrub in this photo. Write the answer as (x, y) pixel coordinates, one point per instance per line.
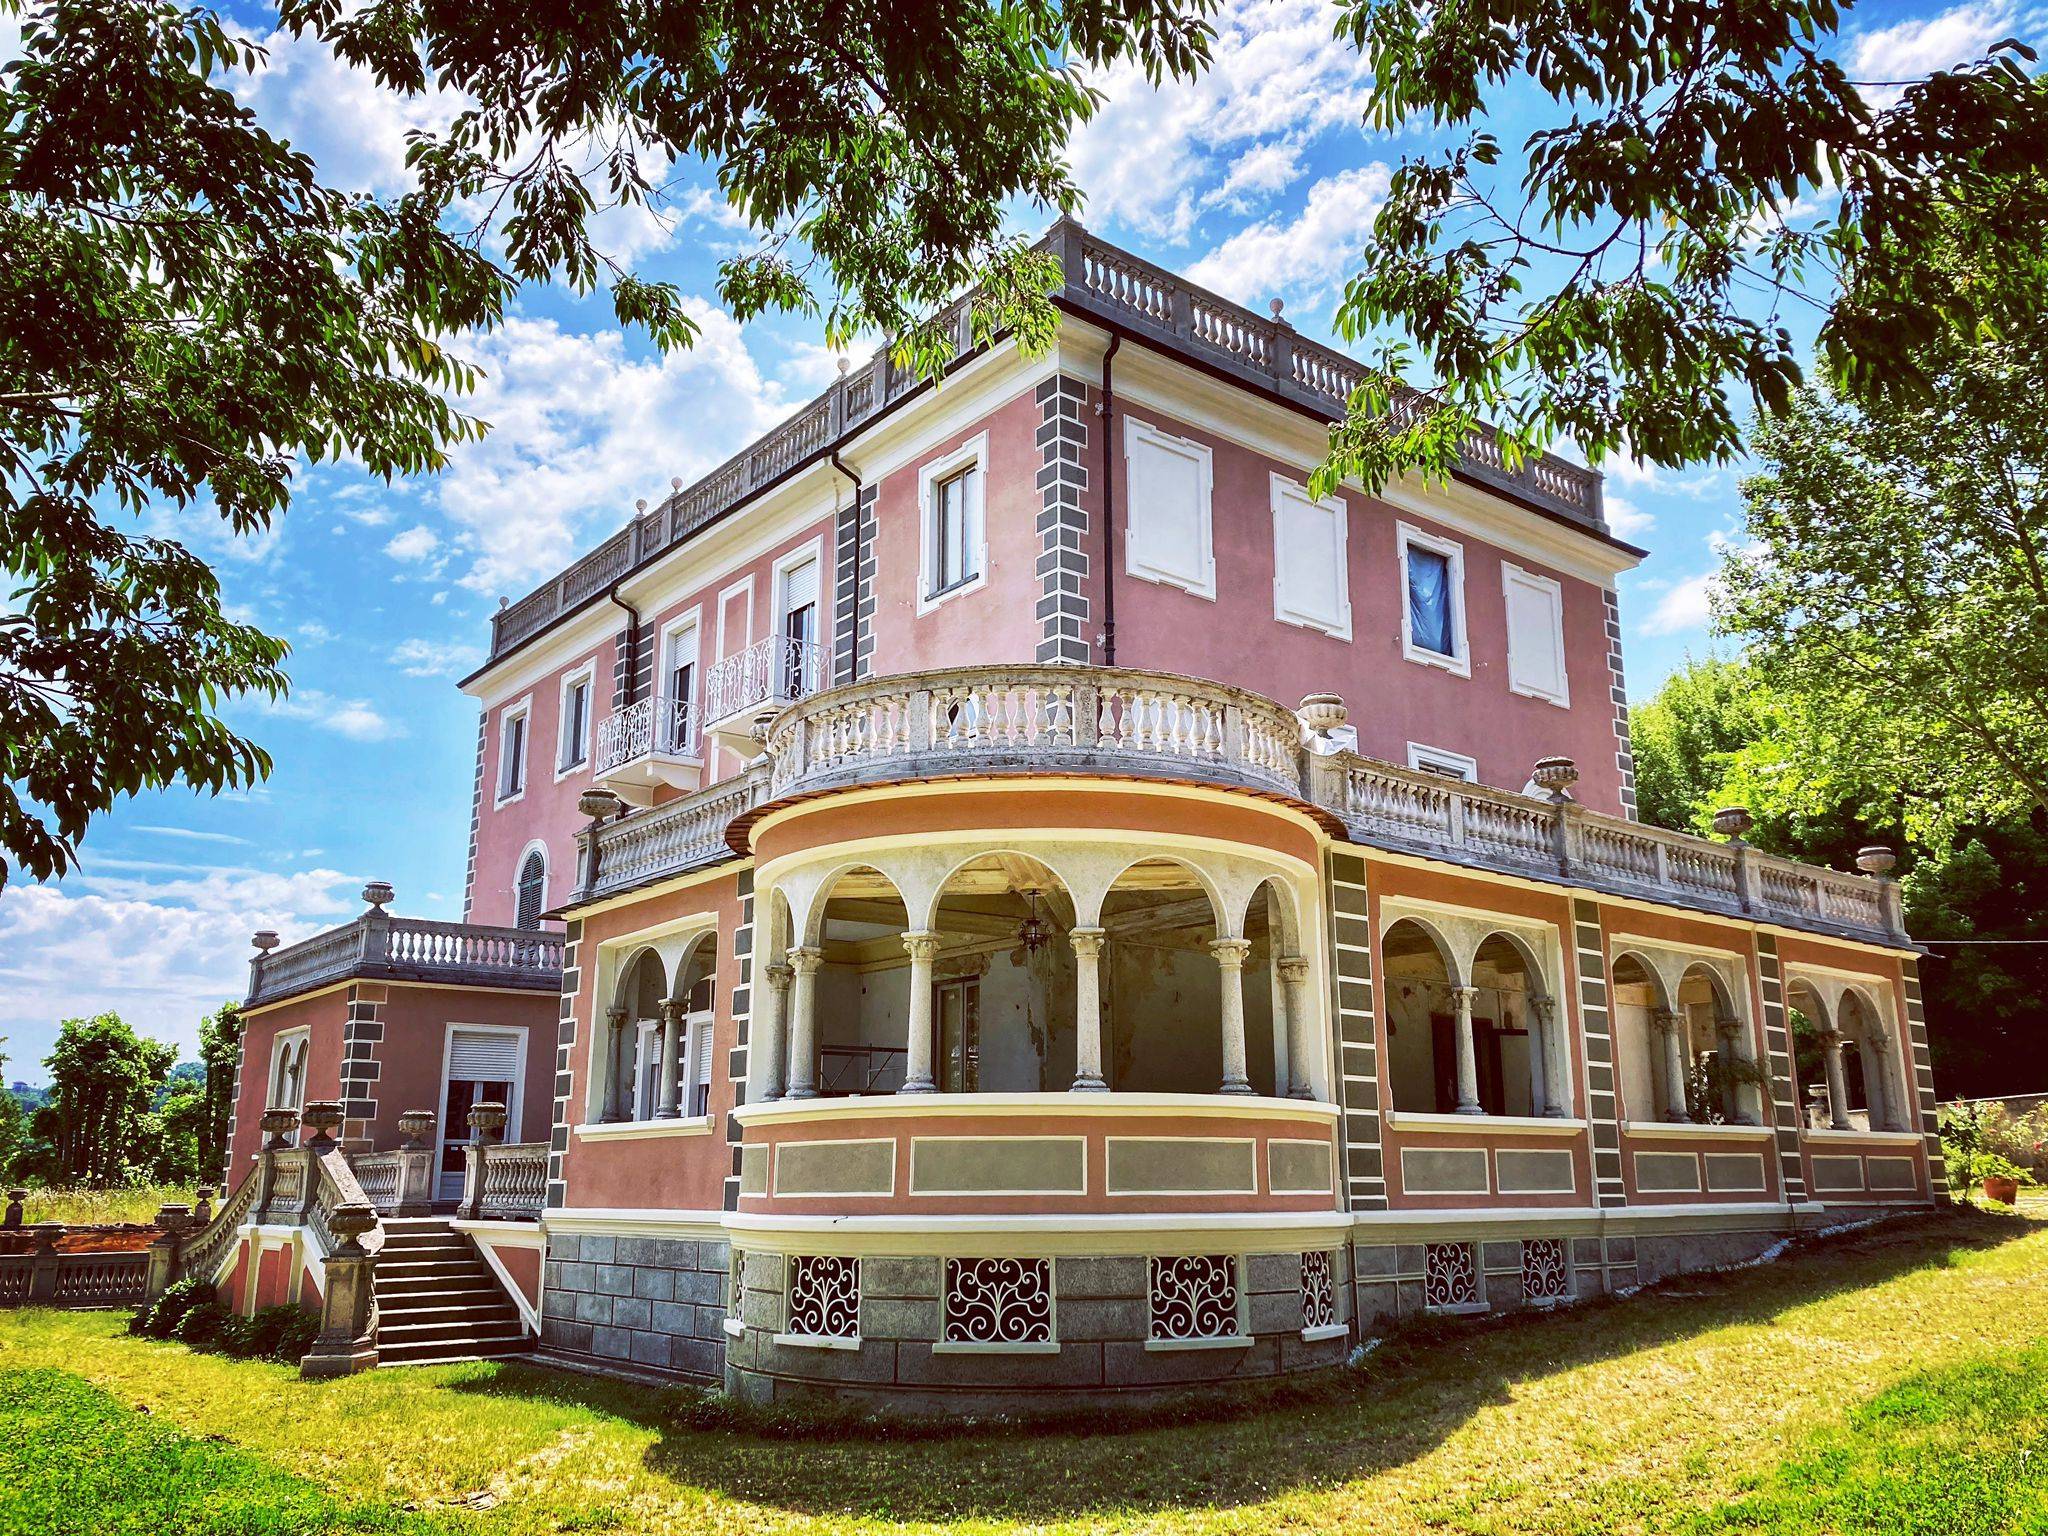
(275, 1333)
(160, 1319)
(202, 1326)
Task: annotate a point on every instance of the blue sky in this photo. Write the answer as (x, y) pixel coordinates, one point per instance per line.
(1258, 180)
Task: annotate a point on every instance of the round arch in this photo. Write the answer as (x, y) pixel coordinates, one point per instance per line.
(1219, 909)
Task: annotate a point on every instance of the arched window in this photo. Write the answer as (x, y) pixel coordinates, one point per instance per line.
(533, 890)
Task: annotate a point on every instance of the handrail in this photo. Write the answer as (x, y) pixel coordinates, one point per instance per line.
(660, 726)
(778, 669)
(380, 946)
(1099, 280)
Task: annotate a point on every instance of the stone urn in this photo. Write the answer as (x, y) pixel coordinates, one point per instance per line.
(1555, 776)
(1876, 859)
(487, 1121)
(598, 804)
(348, 1222)
(278, 1125)
(264, 939)
(1322, 713)
(323, 1118)
(1731, 821)
(202, 1213)
(416, 1125)
(378, 894)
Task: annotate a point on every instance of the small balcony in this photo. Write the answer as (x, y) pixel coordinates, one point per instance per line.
(644, 745)
(750, 686)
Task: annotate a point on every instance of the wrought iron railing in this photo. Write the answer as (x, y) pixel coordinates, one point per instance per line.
(657, 727)
(380, 946)
(777, 670)
(1098, 280)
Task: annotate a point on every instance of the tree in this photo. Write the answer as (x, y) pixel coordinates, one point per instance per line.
(1624, 282)
(220, 1052)
(100, 1120)
(187, 313)
(1718, 733)
(1896, 578)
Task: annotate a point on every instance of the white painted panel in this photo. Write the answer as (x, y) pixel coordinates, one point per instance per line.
(1168, 495)
(1310, 580)
(1535, 635)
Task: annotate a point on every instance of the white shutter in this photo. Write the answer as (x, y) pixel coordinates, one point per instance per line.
(1167, 490)
(1535, 607)
(483, 1056)
(1311, 581)
(800, 586)
(702, 1024)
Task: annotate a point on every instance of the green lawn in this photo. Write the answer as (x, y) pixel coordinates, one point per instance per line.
(1894, 1382)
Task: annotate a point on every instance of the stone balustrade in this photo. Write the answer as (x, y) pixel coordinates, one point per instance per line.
(380, 947)
(505, 1181)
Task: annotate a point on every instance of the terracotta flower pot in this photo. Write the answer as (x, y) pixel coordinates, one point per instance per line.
(2005, 1191)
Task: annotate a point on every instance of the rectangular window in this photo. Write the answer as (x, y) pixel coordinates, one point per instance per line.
(575, 722)
(1433, 601)
(951, 491)
(1168, 485)
(512, 754)
(1311, 580)
(1535, 635)
(676, 727)
(1450, 765)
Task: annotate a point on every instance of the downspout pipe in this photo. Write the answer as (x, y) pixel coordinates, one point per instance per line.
(1106, 409)
(853, 660)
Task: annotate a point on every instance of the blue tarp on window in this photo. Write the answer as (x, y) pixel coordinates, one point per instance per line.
(1429, 601)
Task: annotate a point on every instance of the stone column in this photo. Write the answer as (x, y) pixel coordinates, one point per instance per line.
(1293, 971)
(669, 1100)
(615, 1089)
(1557, 1094)
(1539, 1065)
(1838, 1080)
(1087, 944)
(917, 1062)
(773, 1043)
(1877, 1082)
(804, 961)
(1462, 999)
(1671, 1025)
(1741, 1106)
(1230, 957)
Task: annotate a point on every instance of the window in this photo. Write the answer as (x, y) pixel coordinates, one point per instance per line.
(799, 605)
(955, 524)
(575, 744)
(1535, 635)
(1433, 606)
(1311, 580)
(288, 1069)
(677, 727)
(512, 752)
(1167, 489)
(1450, 765)
(532, 890)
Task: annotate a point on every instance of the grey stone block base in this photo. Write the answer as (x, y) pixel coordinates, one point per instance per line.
(654, 1305)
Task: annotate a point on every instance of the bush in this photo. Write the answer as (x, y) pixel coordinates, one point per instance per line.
(160, 1319)
(202, 1326)
(276, 1333)
(2021, 1139)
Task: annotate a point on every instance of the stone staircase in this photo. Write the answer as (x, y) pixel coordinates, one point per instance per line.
(437, 1299)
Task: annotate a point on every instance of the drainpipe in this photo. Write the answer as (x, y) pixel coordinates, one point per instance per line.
(1108, 508)
(632, 640)
(853, 660)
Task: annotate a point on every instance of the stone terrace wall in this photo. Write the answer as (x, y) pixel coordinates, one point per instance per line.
(647, 1303)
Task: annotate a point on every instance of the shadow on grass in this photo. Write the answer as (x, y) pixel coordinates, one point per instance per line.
(1426, 1382)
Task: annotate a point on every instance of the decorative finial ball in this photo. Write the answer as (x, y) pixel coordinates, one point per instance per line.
(1876, 859)
(640, 504)
(1276, 306)
(1555, 775)
(845, 363)
(1733, 820)
(377, 893)
(264, 939)
(504, 602)
(675, 482)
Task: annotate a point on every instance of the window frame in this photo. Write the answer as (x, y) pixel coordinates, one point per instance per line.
(547, 869)
(521, 714)
(970, 455)
(687, 624)
(1512, 575)
(1339, 627)
(1421, 756)
(1408, 537)
(299, 1036)
(1204, 585)
(586, 677)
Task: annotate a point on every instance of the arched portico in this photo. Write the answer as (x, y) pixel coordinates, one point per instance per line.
(1845, 1053)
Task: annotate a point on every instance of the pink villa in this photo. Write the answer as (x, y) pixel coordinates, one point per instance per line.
(998, 895)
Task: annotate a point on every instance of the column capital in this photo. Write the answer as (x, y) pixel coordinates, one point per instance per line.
(1543, 1005)
(1727, 1026)
(921, 945)
(804, 959)
(1464, 996)
(1829, 1036)
(1087, 942)
(1666, 1019)
(1293, 969)
(1231, 954)
(674, 1010)
(779, 977)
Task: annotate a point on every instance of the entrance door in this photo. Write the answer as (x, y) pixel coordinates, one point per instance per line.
(956, 1016)
(483, 1067)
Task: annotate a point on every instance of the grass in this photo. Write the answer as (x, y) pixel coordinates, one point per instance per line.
(86, 1207)
(1894, 1381)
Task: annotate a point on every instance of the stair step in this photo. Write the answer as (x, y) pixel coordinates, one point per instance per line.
(474, 1316)
(454, 1290)
(445, 1354)
(446, 1333)
(406, 1268)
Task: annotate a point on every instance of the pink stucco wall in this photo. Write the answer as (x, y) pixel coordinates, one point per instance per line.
(323, 1017)
(414, 1047)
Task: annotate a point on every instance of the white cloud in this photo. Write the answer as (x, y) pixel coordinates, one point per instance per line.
(433, 658)
(416, 543)
(1626, 519)
(356, 719)
(1687, 605)
(1912, 50)
(1154, 156)
(161, 953)
(575, 423)
(190, 834)
(1304, 258)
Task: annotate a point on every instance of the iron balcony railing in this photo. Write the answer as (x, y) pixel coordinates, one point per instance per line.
(775, 671)
(1100, 282)
(653, 727)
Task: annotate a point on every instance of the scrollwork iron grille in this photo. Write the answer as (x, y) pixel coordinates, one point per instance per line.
(1318, 1290)
(1546, 1274)
(1194, 1296)
(1449, 1278)
(824, 1296)
(998, 1301)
